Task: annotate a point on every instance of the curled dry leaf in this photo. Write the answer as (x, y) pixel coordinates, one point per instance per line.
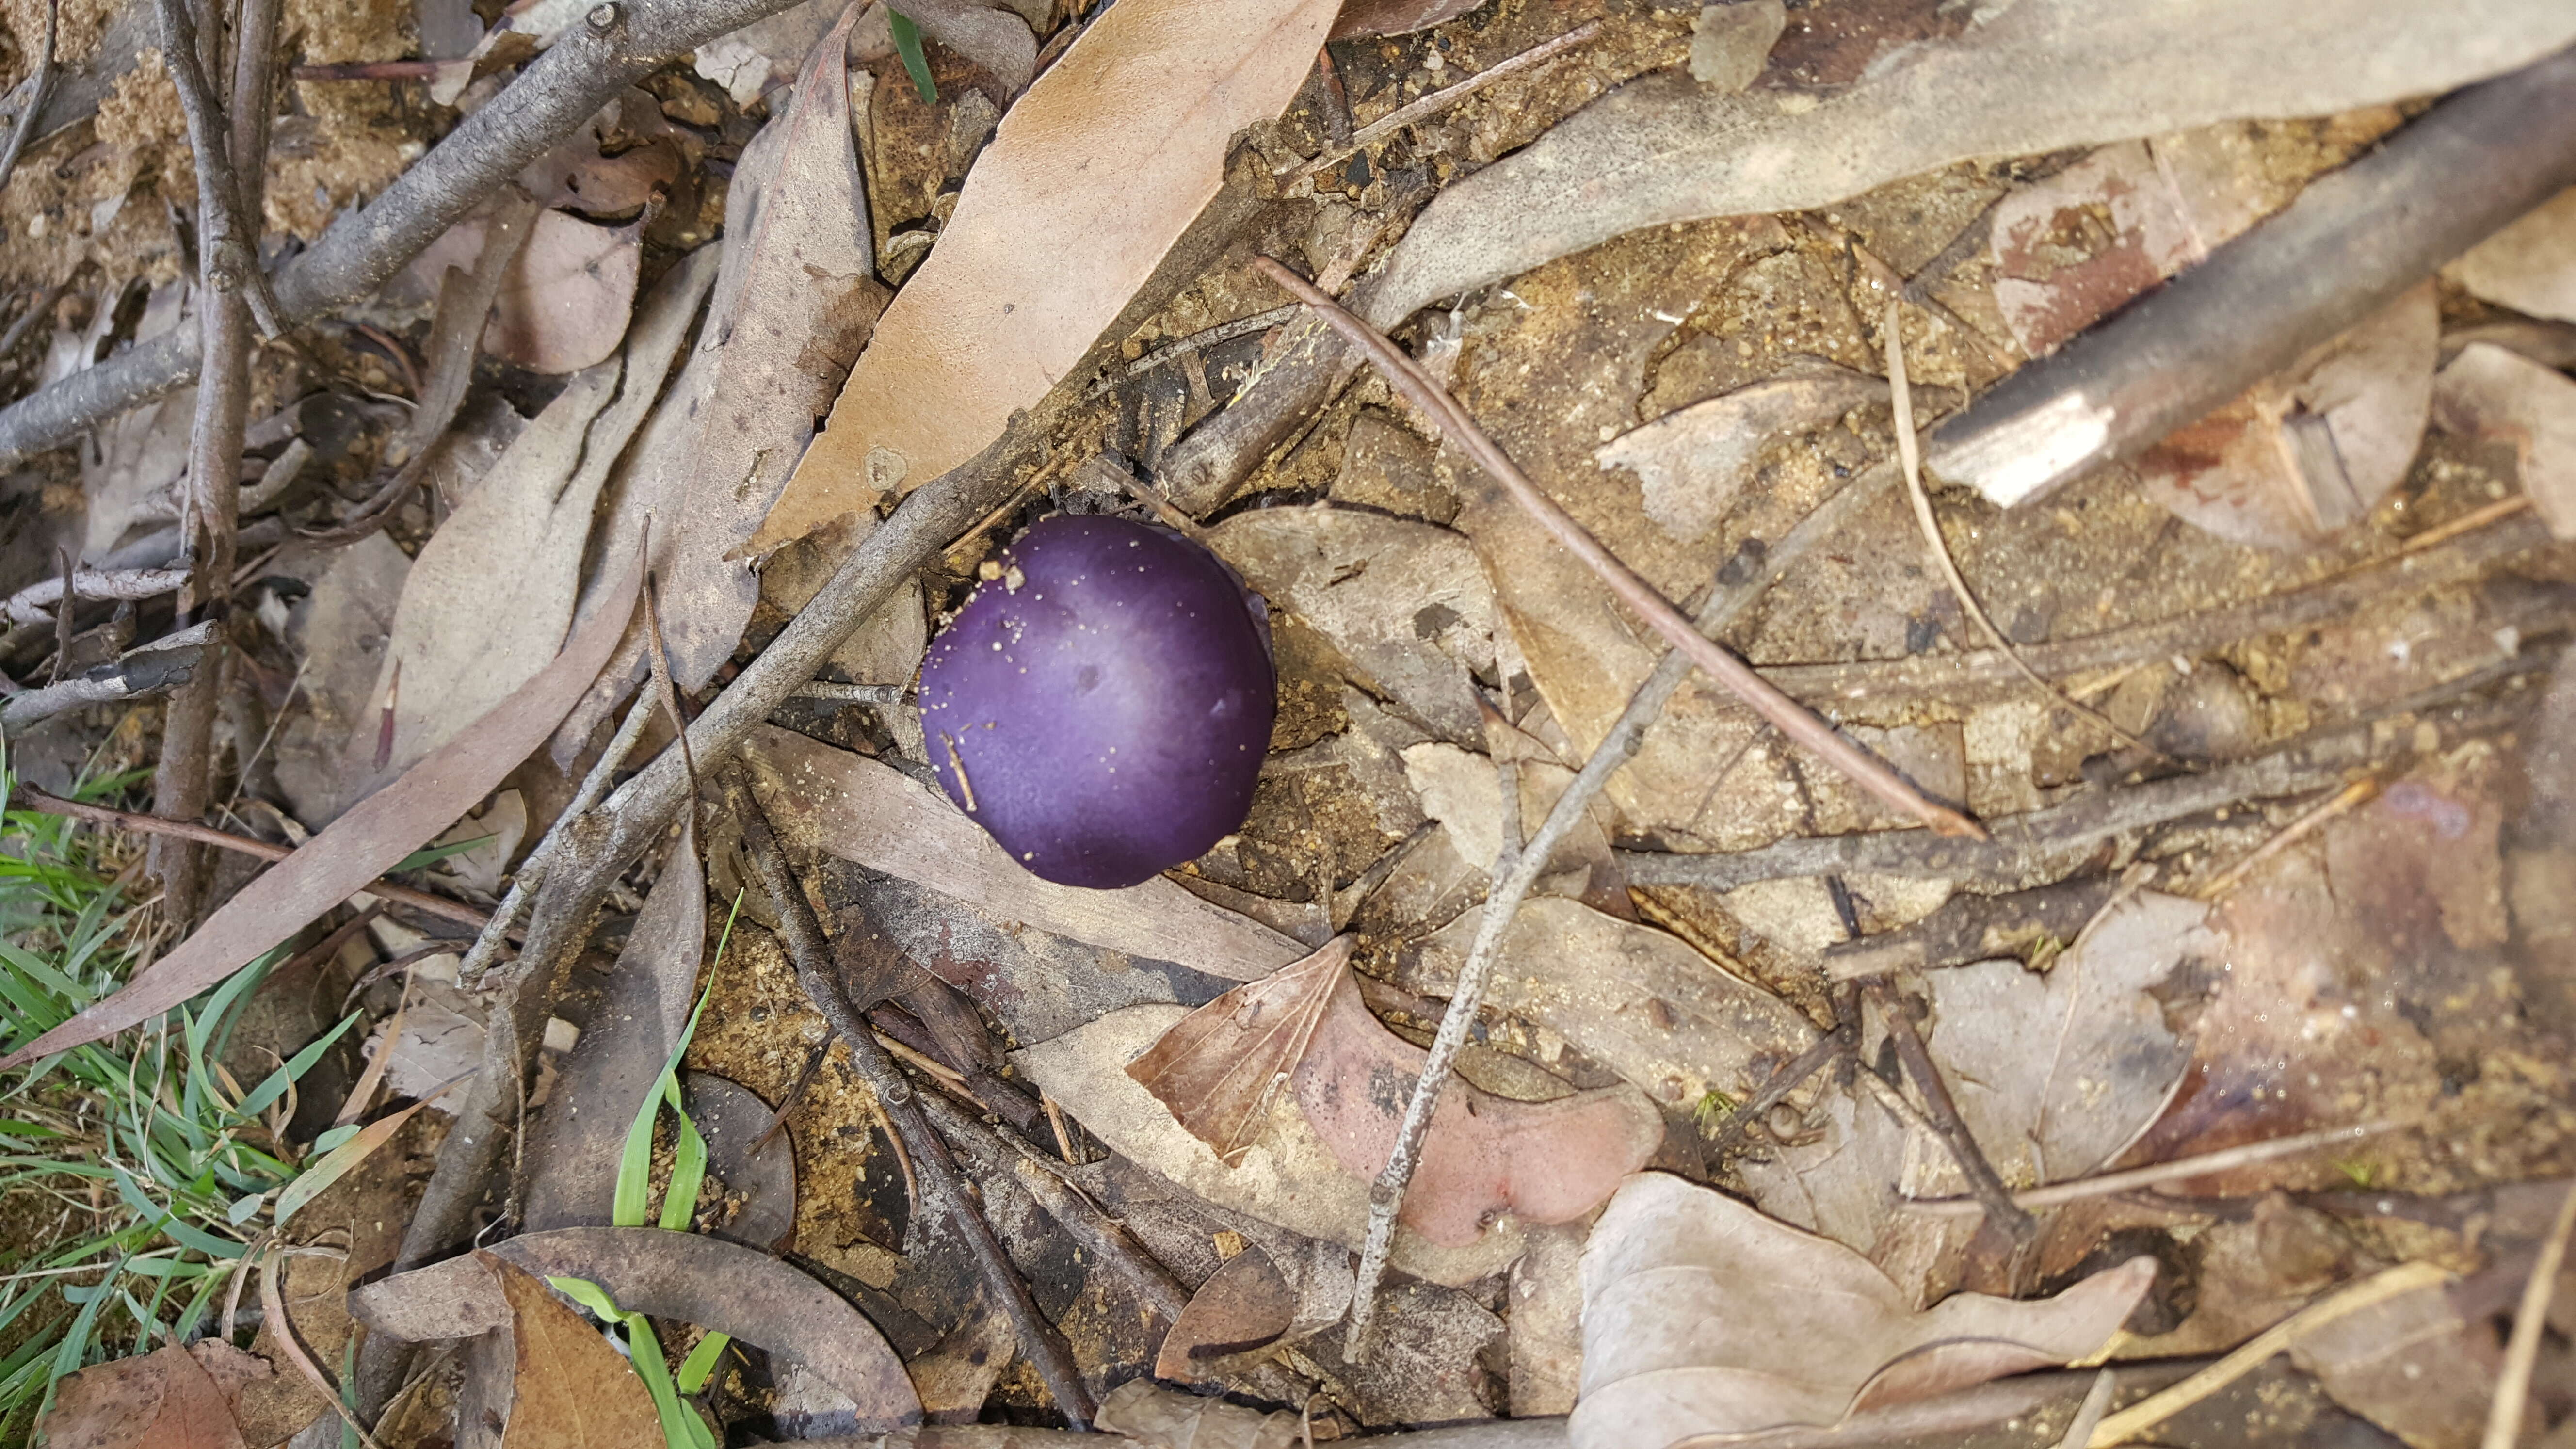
(2037, 76)
(162, 1400)
(565, 298)
(864, 811)
(1221, 1068)
(795, 300)
(2493, 394)
(356, 848)
(1693, 461)
(491, 594)
(1703, 1318)
(1406, 603)
(2300, 455)
(2529, 266)
(687, 1276)
(1089, 180)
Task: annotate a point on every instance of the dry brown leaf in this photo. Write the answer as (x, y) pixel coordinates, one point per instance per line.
(2300, 455)
(1090, 179)
(1485, 1156)
(871, 813)
(570, 1390)
(488, 599)
(794, 302)
(1693, 461)
(565, 298)
(2529, 266)
(162, 1400)
(1289, 1177)
(2039, 75)
(1247, 1307)
(1221, 1068)
(2488, 392)
(1702, 1317)
(356, 848)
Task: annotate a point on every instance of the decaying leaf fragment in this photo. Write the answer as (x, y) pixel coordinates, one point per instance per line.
(1692, 461)
(2529, 266)
(2297, 456)
(1704, 1319)
(1094, 173)
(565, 298)
(162, 1400)
(2488, 392)
(568, 1387)
(1221, 1067)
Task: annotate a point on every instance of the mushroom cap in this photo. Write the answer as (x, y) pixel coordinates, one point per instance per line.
(1103, 707)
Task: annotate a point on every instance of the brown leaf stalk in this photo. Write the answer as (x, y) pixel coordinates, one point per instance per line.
(941, 1184)
(1779, 710)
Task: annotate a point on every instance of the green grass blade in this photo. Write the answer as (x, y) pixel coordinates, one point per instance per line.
(337, 1162)
(591, 1296)
(631, 1203)
(907, 43)
(274, 1085)
(700, 1365)
(688, 1166)
(681, 1427)
(429, 855)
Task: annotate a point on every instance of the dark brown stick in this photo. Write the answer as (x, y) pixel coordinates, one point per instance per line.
(1775, 1091)
(941, 1184)
(1779, 710)
(1944, 1114)
(587, 66)
(188, 830)
(227, 248)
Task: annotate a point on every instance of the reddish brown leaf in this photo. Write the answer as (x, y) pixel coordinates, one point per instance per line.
(359, 846)
(1220, 1067)
(565, 298)
(572, 1390)
(163, 1400)
(1244, 1307)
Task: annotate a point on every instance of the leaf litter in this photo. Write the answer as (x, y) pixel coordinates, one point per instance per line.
(2322, 1001)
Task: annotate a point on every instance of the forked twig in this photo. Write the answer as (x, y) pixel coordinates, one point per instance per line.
(1779, 710)
(231, 247)
(1943, 1113)
(942, 1187)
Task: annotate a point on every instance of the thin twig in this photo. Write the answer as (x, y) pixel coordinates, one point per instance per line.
(37, 94)
(1779, 710)
(2088, 1415)
(65, 622)
(848, 693)
(189, 830)
(2513, 1381)
(1775, 1091)
(2108, 1184)
(1909, 454)
(273, 1308)
(532, 871)
(29, 605)
(943, 1186)
(1442, 99)
(2291, 834)
(2138, 1418)
(1943, 1112)
(1201, 341)
(227, 247)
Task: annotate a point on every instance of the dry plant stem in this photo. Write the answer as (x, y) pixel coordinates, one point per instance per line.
(189, 830)
(2088, 1415)
(28, 605)
(2345, 799)
(227, 248)
(253, 99)
(2522, 1351)
(1783, 713)
(274, 1309)
(941, 1183)
(1442, 99)
(1094, 1231)
(1909, 456)
(584, 70)
(2109, 1184)
(2140, 1417)
(532, 871)
(1944, 1113)
(37, 94)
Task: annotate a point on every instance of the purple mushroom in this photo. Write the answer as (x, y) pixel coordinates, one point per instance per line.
(1103, 705)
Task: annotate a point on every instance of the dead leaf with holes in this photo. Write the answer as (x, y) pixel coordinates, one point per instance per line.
(1091, 178)
(1704, 1319)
